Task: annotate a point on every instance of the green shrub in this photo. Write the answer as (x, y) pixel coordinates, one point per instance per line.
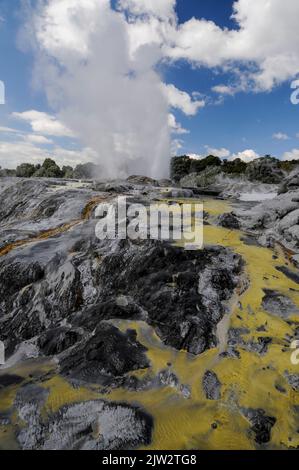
(25, 170)
(86, 171)
(236, 166)
(197, 166)
(179, 167)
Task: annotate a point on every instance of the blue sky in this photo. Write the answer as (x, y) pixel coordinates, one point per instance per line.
(256, 115)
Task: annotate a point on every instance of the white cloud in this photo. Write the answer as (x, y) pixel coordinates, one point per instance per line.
(38, 139)
(176, 146)
(292, 155)
(9, 130)
(280, 136)
(13, 154)
(221, 152)
(90, 59)
(260, 53)
(159, 8)
(44, 123)
(181, 100)
(247, 155)
(62, 25)
(195, 156)
(265, 42)
(224, 90)
(175, 127)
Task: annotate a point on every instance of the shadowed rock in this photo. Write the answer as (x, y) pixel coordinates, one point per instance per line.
(261, 424)
(229, 220)
(106, 353)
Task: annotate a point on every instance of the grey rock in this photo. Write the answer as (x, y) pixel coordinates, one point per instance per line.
(262, 424)
(91, 425)
(291, 182)
(278, 304)
(211, 385)
(293, 380)
(229, 220)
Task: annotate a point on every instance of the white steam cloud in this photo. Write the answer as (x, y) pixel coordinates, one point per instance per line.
(111, 100)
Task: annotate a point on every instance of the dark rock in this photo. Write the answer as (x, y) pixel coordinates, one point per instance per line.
(235, 338)
(280, 388)
(57, 340)
(182, 292)
(231, 353)
(229, 220)
(106, 353)
(211, 386)
(261, 424)
(6, 380)
(289, 273)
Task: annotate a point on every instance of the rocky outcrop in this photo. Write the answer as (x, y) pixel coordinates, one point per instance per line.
(142, 180)
(90, 425)
(205, 178)
(261, 424)
(182, 292)
(229, 220)
(277, 219)
(64, 298)
(278, 304)
(211, 385)
(291, 182)
(107, 352)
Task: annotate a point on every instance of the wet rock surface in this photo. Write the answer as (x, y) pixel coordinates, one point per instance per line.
(62, 291)
(119, 318)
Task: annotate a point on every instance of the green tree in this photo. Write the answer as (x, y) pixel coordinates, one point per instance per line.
(179, 167)
(86, 170)
(25, 170)
(67, 172)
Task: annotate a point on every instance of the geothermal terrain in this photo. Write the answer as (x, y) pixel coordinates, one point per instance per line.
(121, 344)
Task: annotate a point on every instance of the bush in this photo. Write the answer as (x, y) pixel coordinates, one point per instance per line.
(67, 172)
(7, 172)
(236, 167)
(25, 170)
(179, 167)
(197, 166)
(288, 166)
(86, 171)
(51, 169)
